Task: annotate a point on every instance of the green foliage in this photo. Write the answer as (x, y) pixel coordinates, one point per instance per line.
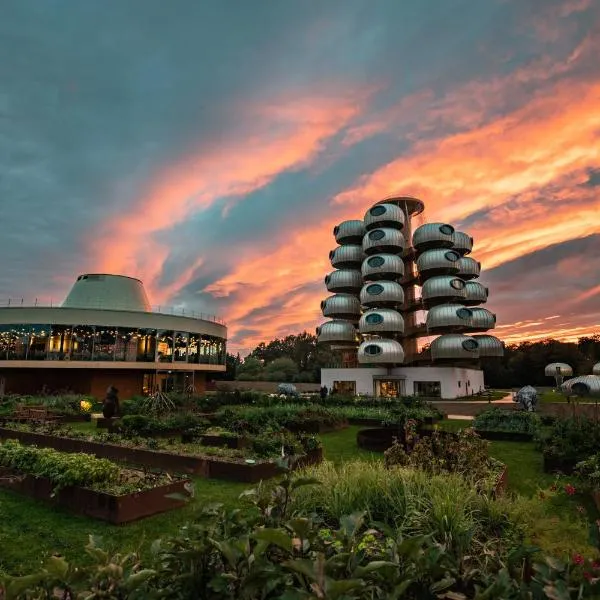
(571, 439)
(298, 417)
(498, 419)
(61, 468)
(589, 471)
(270, 551)
(463, 453)
(281, 369)
(147, 426)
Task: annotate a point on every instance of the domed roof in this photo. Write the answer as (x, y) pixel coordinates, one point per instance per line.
(107, 292)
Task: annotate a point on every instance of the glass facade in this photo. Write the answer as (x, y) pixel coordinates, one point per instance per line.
(105, 343)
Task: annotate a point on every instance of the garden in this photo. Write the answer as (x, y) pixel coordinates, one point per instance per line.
(352, 498)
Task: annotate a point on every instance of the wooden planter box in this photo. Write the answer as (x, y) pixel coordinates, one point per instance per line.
(174, 463)
(562, 465)
(84, 418)
(507, 436)
(98, 505)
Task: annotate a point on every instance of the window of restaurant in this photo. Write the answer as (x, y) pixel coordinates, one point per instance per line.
(39, 336)
(13, 342)
(180, 346)
(126, 344)
(82, 342)
(164, 345)
(59, 344)
(104, 343)
(146, 345)
(194, 348)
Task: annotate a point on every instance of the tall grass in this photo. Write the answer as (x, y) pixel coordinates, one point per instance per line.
(413, 502)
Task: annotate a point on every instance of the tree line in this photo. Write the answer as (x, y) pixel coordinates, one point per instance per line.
(298, 358)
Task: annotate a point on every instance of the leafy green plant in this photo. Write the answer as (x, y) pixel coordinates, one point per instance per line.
(497, 419)
(572, 439)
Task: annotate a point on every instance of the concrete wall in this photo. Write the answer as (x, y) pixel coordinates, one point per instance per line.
(268, 387)
(454, 382)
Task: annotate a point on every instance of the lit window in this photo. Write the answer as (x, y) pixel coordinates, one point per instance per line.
(376, 261)
(377, 211)
(375, 289)
(378, 234)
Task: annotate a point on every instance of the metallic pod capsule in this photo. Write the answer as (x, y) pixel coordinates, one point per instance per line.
(382, 266)
(380, 351)
(381, 321)
(347, 281)
(349, 232)
(384, 215)
(388, 294)
(433, 235)
(454, 347)
(383, 241)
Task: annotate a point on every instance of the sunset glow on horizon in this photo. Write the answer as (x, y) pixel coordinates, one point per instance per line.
(217, 177)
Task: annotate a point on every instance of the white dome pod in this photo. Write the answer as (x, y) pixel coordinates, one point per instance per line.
(381, 321)
(462, 243)
(558, 368)
(433, 235)
(107, 292)
(596, 369)
(489, 346)
(348, 281)
(380, 352)
(382, 294)
(384, 215)
(442, 289)
(469, 268)
(382, 266)
(438, 262)
(338, 332)
(450, 318)
(341, 306)
(347, 257)
(349, 232)
(454, 347)
(482, 319)
(476, 293)
(584, 385)
(383, 241)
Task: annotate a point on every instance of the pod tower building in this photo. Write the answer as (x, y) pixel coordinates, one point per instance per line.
(393, 284)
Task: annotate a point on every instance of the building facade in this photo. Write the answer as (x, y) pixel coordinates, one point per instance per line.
(105, 333)
(394, 284)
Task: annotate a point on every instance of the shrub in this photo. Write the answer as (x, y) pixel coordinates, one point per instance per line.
(497, 419)
(571, 439)
(589, 471)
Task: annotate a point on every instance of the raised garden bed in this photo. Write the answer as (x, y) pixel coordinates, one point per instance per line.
(99, 505)
(381, 438)
(202, 466)
(507, 436)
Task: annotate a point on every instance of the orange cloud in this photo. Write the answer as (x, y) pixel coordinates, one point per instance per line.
(544, 147)
(289, 135)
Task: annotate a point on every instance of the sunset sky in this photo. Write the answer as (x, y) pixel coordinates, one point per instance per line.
(209, 147)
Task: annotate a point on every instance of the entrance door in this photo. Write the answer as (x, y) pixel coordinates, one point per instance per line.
(389, 388)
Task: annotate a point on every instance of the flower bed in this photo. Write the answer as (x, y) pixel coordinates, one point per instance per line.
(88, 485)
(183, 458)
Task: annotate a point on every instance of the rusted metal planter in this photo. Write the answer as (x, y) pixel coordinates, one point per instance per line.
(99, 505)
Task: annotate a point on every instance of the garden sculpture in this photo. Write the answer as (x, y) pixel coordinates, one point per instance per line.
(527, 397)
(110, 406)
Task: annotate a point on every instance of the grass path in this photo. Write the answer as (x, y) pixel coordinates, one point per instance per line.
(30, 531)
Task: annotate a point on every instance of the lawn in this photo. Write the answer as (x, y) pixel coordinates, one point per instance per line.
(29, 530)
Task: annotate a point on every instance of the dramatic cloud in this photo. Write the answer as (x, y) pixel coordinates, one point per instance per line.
(210, 151)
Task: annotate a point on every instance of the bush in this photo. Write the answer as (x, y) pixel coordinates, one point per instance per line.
(498, 419)
(463, 453)
(571, 439)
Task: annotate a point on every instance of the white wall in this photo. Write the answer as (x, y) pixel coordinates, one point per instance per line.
(362, 377)
(453, 380)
